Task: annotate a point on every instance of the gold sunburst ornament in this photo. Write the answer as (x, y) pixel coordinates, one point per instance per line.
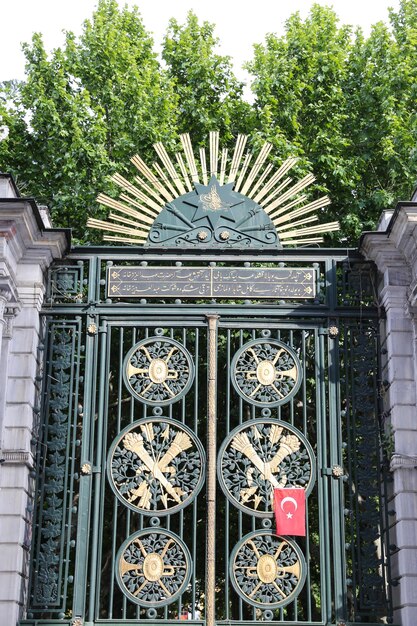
(192, 200)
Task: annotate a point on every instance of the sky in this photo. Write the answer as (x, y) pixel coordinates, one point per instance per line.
(239, 24)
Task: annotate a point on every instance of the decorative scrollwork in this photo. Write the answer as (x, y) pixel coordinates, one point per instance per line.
(158, 371)
(266, 372)
(153, 567)
(266, 570)
(261, 455)
(155, 466)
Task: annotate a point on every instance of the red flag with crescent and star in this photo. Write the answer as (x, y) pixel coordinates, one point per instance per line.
(290, 511)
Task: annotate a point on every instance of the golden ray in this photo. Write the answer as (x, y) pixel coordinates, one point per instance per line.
(261, 180)
(124, 220)
(139, 206)
(169, 166)
(306, 220)
(144, 169)
(134, 212)
(296, 242)
(214, 152)
(302, 184)
(203, 165)
(134, 191)
(101, 225)
(237, 156)
(149, 190)
(123, 208)
(285, 167)
(275, 192)
(189, 155)
(307, 208)
(184, 172)
(312, 230)
(262, 156)
(165, 180)
(223, 166)
(245, 165)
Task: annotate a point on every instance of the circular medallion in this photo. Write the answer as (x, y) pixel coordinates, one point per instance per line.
(266, 570)
(155, 466)
(266, 372)
(158, 371)
(153, 567)
(261, 455)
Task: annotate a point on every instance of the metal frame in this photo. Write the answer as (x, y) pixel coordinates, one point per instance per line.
(335, 370)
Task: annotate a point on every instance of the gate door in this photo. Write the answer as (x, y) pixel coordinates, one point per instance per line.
(194, 388)
(243, 408)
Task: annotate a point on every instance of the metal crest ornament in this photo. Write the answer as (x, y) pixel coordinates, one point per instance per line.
(186, 201)
(266, 570)
(259, 456)
(158, 371)
(153, 567)
(266, 372)
(155, 466)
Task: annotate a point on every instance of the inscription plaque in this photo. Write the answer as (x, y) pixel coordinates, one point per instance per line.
(211, 282)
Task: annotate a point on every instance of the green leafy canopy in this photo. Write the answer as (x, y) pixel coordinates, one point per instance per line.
(342, 102)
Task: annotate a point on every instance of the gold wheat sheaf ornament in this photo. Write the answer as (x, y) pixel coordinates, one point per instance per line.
(215, 192)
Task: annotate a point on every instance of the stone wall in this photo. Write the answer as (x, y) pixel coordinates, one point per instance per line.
(26, 250)
(394, 250)
(28, 246)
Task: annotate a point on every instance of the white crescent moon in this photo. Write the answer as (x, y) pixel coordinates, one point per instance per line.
(289, 499)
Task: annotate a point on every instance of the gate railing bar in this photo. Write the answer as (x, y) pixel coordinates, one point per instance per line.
(305, 433)
(336, 484)
(227, 510)
(89, 405)
(323, 495)
(211, 470)
(195, 311)
(240, 514)
(195, 503)
(103, 411)
(97, 463)
(115, 501)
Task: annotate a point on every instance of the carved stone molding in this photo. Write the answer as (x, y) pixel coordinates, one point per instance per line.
(20, 457)
(10, 312)
(5, 297)
(403, 461)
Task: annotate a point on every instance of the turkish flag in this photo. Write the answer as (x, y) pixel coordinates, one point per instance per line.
(290, 511)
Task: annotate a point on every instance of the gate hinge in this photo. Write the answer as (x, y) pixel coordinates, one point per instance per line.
(336, 471)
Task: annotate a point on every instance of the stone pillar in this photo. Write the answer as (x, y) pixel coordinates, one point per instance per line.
(26, 250)
(394, 251)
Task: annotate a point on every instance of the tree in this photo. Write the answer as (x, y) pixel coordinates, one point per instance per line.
(209, 95)
(347, 105)
(82, 113)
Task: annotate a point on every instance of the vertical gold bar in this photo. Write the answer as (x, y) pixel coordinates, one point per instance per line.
(203, 165)
(211, 470)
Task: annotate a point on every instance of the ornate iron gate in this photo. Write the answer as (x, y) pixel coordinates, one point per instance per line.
(165, 426)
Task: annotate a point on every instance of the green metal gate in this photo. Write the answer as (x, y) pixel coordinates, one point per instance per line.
(165, 425)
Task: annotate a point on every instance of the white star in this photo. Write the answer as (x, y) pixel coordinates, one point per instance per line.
(289, 515)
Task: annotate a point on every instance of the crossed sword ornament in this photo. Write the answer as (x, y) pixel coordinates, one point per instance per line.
(157, 468)
(287, 445)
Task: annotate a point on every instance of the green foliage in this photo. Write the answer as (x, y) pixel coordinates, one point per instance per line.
(209, 95)
(82, 113)
(345, 104)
